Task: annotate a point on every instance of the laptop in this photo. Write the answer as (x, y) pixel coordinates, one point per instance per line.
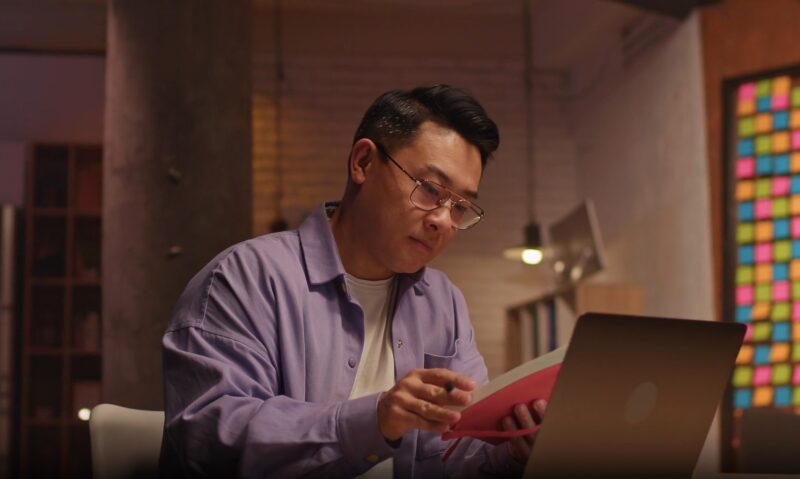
(635, 397)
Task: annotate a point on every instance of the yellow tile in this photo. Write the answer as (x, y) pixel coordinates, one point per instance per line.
(760, 311)
(779, 353)
(794, 119)
(763, 122)
(763, 272)
(762, 396)
(764, 231)
(794, 269)
(780, 142)
(745, 355)
(746, 107)
(780, 85)
(744, 190)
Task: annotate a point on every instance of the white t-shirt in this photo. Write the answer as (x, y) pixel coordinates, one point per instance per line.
(375, 371)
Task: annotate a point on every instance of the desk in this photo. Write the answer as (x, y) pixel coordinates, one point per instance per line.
(746, 476)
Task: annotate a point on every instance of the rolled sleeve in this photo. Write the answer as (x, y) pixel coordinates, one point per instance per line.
(362, 442)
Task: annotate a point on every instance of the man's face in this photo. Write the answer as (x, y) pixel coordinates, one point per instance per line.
(398, 236)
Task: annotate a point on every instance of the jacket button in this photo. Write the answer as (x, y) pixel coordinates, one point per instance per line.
(351, 362)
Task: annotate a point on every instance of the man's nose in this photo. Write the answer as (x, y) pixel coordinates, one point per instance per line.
(441, 216)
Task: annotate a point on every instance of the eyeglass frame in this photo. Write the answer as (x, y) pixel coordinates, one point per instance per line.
(452, 197)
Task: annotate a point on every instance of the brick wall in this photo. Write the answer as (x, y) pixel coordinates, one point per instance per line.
(337, 61)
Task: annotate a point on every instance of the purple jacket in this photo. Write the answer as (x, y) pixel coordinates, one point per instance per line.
(261, 354)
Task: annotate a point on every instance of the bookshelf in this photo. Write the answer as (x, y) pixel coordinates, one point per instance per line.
(544, 323)
(60, 352)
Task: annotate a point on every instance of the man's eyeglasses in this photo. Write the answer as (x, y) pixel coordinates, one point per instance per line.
(428, 196)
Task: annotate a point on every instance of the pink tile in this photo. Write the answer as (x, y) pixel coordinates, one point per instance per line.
(780, 102)
(795, 139)
(780, 291)
(747, 91)
(748, 333)
(763, 208)
(763, 375)
(796, 377)
(780, 186)
(744, 294)
(745, 168)
(796, 311)
(795, 227)
(763, 252)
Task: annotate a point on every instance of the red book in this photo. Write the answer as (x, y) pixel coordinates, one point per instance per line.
(493, 401)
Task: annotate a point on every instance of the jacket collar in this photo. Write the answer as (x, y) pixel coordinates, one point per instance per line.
(320, 253)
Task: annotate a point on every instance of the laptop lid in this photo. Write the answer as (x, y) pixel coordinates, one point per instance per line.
(635, 397)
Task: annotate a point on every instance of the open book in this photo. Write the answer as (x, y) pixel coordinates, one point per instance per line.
(493, 401)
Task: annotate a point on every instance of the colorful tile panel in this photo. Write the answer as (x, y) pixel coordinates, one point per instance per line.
(766, 193)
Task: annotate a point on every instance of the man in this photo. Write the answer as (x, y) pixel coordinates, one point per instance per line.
(332, 351)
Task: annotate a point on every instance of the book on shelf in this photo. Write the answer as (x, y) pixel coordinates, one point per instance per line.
(495, 400)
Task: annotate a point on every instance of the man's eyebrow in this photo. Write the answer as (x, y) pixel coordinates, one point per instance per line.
(445, 179)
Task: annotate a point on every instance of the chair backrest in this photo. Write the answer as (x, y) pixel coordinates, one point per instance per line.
(768, 441)
(125, 442)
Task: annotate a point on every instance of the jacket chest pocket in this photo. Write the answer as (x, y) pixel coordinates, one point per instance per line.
(432, 361)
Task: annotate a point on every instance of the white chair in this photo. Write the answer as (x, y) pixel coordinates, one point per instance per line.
(125, 442)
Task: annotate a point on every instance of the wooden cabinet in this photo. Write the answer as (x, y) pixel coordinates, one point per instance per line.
(546, 322)
(61, 323)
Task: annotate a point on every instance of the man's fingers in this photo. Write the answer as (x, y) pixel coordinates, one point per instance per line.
(519, 447)
(525, 420)
(427, 410)
(539, 407)
(420, 401)
(441, 377)
(439, 395)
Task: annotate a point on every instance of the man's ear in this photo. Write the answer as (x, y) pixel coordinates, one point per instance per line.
(361, 163)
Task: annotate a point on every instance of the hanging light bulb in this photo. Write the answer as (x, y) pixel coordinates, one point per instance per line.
(530, 252)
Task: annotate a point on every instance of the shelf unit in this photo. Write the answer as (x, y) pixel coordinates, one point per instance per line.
(61, 355)
(544, 323)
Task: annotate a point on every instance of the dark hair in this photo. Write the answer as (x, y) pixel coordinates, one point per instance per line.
(393, 118)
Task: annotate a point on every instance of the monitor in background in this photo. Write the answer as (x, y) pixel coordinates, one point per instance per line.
(575, 246)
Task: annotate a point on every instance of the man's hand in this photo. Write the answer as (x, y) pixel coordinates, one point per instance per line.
(420, 400)
(526, 417)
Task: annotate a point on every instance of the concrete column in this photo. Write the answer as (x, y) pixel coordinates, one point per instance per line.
(177, 170)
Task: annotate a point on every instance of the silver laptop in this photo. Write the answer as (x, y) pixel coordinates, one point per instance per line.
(635, 397)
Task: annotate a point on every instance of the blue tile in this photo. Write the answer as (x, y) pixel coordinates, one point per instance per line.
(746, 254)
(782, 165)
(780, 271)
(743, 314)
(794, 185)
(764, 103)
(746, 211)
(780, 120)
(746, 147)
(762, 355)
(742, 398)
(764, 165)
(781, 332)
(795, 249)
(783, 396)
(780, 228)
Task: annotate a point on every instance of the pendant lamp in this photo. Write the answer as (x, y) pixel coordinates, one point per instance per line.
(530, 252)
